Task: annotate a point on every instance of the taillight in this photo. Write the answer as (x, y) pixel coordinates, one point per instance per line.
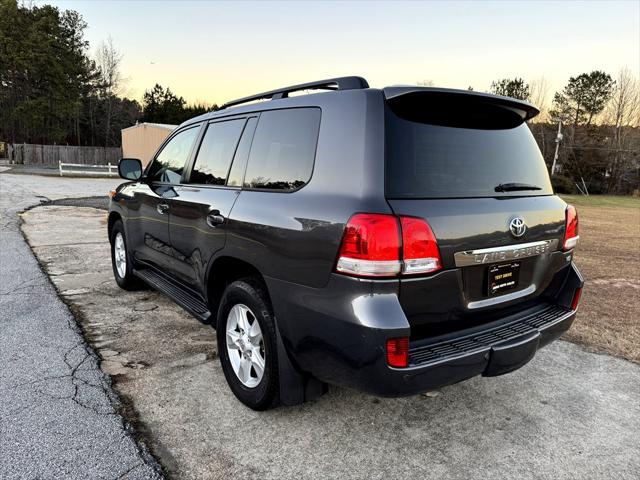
(420, 252)
(398, 352)
(384, 245)
(576, 298)
(370, 246)
(571, 236)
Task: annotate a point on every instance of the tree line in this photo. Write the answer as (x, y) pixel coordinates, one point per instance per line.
(591, 130)
(53, 90)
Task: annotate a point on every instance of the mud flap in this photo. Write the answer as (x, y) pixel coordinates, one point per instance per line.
(509, 356)
(295, 388)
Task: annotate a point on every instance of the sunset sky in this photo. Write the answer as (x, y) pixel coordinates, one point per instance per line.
(217, 51)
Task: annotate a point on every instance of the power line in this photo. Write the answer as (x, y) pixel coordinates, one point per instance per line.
(565, 147)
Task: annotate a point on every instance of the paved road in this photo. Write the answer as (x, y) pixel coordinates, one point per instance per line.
(569, 414)
(58, 413)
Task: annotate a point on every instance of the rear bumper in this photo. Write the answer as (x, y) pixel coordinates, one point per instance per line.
(340, 338)
(491, 352)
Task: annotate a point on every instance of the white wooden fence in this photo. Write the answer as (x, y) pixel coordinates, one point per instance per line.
(82, 169)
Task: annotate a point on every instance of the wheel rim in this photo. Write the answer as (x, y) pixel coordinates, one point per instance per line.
(245, 345)
(120, 255)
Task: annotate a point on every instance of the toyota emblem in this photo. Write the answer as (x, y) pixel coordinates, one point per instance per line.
(517, 227)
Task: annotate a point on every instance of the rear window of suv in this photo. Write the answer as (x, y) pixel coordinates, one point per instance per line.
(459, 154)
(283, 149)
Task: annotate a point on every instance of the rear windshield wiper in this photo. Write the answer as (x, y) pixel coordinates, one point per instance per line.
(515, 187)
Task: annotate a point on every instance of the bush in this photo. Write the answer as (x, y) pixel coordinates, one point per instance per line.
(562, 184)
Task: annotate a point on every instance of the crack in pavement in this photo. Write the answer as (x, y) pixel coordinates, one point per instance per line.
(59, 416)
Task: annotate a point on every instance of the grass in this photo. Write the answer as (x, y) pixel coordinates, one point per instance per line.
(602, 201)
(608, 255)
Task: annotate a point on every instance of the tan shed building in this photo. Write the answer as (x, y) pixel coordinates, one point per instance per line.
(143, 139)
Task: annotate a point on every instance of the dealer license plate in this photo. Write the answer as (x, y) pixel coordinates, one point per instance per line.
(503, 278)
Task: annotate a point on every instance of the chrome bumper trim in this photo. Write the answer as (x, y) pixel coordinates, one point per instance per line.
(507, 297)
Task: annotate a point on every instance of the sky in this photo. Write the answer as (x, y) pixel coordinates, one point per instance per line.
(213, 52)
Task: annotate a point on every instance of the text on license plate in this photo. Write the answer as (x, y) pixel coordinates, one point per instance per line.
(503, 277)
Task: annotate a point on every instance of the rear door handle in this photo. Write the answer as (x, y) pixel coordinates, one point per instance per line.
(214, 219)
(162, 208)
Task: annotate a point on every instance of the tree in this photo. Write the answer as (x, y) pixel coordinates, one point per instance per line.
(539, 96)
(160, 105)
(195, 109)
(622, 114)
(43, 72)
(583, 97)
(623, 108)
(108, 60)
(511, 87)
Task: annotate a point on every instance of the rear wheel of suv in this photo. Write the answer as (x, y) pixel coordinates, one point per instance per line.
(120, 259)
(247, 344)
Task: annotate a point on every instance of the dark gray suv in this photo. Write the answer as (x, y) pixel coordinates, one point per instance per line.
(393, 240)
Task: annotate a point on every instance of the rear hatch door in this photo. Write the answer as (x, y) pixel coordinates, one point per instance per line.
(470, 166)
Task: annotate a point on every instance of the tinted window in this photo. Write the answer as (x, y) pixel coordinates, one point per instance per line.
(169, 164)
(216, 152)
(429, 160)
(283, 149)
(242, 153)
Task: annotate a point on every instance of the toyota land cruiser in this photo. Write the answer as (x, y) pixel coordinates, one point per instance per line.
(394, 240)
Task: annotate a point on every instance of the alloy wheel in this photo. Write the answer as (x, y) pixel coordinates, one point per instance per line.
(120, 255)
(245, 345)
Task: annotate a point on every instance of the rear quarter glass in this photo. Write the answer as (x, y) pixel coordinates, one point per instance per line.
(431, 160)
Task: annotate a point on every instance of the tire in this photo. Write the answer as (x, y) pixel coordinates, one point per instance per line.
(240, 353)
(124, 276)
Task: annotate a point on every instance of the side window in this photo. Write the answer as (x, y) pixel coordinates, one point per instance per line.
(216, 152)
(170, 162)
(283, 149)
(242, 153)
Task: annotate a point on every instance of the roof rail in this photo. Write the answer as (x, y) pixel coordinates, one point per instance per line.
(339, 83)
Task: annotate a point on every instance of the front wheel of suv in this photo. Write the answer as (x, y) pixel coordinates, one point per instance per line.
(247, 344)
(121, 260)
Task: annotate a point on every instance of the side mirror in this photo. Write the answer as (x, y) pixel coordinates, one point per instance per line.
(130, 168)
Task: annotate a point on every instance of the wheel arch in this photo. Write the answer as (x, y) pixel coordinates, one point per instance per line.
(113, 218)
(224, 270)
(295, 386)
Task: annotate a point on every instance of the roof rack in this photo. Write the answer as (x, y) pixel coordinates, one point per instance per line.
(339, 83)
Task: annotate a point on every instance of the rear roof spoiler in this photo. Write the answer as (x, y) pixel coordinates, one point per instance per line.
(523, 109)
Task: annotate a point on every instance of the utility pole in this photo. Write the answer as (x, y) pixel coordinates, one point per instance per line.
(558, 140)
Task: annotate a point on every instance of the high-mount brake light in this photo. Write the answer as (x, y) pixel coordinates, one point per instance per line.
(571, 236)
(384, 245)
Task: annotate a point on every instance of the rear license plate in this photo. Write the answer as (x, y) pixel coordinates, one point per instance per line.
(503, 277)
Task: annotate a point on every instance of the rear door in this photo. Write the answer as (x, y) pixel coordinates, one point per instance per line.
(202, 204)
(470, 166)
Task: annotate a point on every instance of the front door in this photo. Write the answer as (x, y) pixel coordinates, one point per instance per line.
(150, 233)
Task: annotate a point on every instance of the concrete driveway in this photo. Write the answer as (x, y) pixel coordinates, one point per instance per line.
(567, 414)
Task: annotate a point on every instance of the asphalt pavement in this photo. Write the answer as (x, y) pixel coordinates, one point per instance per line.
(59, 417)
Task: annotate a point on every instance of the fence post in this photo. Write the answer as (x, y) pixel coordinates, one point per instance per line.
(60, 167)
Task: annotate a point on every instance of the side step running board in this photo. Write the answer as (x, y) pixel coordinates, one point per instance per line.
(178, 294)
